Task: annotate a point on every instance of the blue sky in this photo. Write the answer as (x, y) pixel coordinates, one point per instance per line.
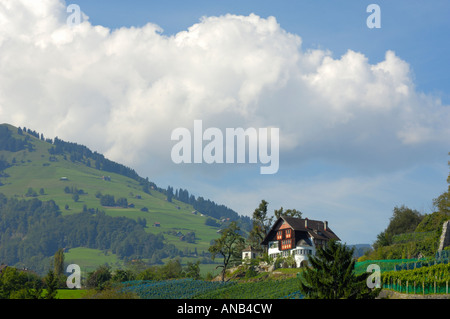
(363, 113)
(417, 31)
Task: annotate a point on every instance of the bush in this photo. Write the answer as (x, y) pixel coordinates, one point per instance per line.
(107, 200)
(211, 222)
(99, 279)
(251, 272)
(16, 284)
(123, 275)
(31, 193)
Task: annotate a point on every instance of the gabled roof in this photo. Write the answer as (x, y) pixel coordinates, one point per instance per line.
(302, 238)
(314, 228)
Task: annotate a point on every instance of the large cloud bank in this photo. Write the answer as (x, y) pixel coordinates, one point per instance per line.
(123, 91)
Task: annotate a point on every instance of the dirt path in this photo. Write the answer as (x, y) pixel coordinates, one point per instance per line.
(389, 294)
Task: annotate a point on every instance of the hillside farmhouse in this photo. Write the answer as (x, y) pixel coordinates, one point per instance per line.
(298, 237)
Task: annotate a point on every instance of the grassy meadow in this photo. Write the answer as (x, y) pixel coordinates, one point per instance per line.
(48, 177)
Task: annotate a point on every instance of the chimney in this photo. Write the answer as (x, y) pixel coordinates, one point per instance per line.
(325, 225)
(306, 222)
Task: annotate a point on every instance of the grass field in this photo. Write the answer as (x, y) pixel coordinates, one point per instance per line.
(70, 293)
(89, 259)
(35, 170)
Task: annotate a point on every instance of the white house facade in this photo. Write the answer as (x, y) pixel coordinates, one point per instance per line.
(297, 237)
(248, 254)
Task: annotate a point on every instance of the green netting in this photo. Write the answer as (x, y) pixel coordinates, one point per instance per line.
(444, 254)
(385, 264)
(419, 288)
(401, 264)
(420, 263)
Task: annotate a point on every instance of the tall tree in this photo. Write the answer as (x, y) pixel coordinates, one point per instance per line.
(403, 220)
(169, 194)
(229, 246)
(261, 225)
(331, 275)
(193, 270)
(442, 203)
(58, 264)
(289, 212)
(51, 282)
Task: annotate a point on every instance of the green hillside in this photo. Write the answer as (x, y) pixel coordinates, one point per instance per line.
(410, 234)
(34, 167)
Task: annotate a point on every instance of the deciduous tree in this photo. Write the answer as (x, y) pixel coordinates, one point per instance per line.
(229, 246)
(261, 225)
(289, 212)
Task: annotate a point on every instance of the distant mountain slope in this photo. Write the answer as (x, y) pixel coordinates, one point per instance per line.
(360, 249)
(80, 180)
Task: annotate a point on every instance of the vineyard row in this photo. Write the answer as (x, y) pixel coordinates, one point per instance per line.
(425, 280)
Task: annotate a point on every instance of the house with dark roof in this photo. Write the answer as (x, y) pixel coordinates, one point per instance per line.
(297, 237)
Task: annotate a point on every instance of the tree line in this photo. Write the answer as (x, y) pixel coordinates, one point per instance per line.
(82, 154)
(98, 284)
(32, 230)
(405, 220)
(9, 143)
(208, 207)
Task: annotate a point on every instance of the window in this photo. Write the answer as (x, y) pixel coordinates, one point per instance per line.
(274, 255)
(286, 244)
(279, 235)
(288, 233)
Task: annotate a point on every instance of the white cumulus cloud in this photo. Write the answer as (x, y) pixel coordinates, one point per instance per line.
(123, 91)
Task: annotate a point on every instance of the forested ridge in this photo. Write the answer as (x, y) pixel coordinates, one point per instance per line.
(82, 154)
(31, 231)
(9, 143)
(209, 207)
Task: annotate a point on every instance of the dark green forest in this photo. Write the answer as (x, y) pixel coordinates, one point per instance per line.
(9, 143)
(31, 231)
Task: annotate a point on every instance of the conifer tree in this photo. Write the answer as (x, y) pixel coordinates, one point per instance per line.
(331, 275)
(51, 282)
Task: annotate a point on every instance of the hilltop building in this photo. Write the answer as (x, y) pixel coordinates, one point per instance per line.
(298, 237)
(249, 253)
